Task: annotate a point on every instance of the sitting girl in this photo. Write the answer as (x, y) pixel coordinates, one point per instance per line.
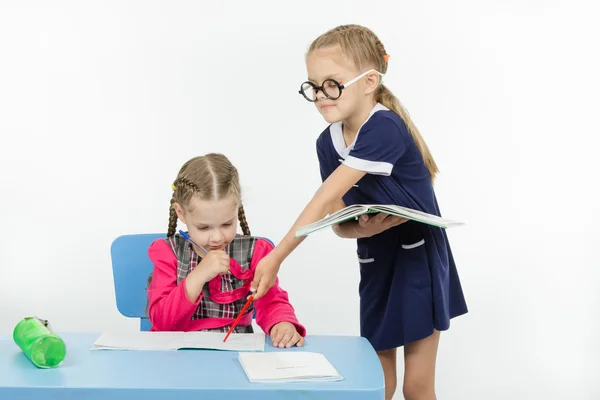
(202, 284)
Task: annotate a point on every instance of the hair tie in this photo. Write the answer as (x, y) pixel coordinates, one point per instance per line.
(386, 57)
(173, 186)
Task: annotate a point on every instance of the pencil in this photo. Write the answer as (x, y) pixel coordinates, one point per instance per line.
(238, 317)
(188, 238)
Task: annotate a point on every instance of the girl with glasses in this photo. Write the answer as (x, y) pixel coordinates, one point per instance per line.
(372, 153)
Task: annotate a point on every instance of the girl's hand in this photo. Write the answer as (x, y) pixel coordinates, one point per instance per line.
(214, 263)
(265, 276)
(284, 334)
(371, 225)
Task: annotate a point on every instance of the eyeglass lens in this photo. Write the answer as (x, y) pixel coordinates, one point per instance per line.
(330, 88)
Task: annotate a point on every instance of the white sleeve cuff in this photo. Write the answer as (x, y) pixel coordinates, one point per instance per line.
(371, 167)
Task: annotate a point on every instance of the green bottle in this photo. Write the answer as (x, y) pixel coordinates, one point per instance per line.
(38, 341)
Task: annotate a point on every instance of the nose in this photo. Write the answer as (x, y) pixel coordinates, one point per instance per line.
(320, 94)
(216, 236)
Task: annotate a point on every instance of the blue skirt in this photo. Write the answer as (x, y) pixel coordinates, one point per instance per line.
(409, 285)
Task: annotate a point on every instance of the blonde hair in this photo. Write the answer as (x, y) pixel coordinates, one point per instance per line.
(210, 177)
(364, 48)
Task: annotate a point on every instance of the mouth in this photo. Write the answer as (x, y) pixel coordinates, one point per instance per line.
(326, 107)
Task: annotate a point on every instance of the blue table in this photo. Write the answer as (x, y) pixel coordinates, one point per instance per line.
(183, 374)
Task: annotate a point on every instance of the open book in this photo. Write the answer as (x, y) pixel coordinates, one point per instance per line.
(354, 211)
(288, 366)
(179, 340)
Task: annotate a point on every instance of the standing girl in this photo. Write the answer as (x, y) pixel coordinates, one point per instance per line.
(372, 153)
(201, 284)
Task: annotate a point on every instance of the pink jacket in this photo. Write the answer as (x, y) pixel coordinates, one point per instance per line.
(170, 310)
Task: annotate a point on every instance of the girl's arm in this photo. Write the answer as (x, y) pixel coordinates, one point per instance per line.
(381, 143)
(274, 307)
(346, 229)
(169, 307)
(332, 189)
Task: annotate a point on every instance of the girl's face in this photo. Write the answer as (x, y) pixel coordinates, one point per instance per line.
(330, 63)
(211, 224)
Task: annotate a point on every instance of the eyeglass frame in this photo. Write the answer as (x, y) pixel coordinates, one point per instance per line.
(339, 86)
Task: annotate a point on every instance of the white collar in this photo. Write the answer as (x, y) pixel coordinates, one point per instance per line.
(337, 136)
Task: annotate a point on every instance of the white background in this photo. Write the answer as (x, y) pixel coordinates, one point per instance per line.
(101, 103)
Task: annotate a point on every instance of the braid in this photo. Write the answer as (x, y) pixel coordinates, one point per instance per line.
(347, 29)
(172, 218)
(381, 55)
(189, 185)
(182, 185)
(243, 221)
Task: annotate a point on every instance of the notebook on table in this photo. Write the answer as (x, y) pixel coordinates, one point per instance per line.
(144, 340)
(284, 366)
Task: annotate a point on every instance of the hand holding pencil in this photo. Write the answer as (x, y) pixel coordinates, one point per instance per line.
(214, 263)
(265, 276)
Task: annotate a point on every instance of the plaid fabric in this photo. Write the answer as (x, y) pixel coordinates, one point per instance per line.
(240, 249)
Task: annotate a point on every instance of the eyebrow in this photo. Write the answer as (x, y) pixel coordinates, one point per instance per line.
(331, 76)
(201, 224)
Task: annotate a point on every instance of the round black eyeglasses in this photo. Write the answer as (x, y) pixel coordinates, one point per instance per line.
(331, 88)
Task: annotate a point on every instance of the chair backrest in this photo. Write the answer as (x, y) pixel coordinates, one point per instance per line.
(131, 269)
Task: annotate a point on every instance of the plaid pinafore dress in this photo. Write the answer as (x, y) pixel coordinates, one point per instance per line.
(225, 295)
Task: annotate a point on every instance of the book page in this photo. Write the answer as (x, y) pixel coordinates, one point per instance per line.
(337, 217)
(416, 215)
(214, 341)
(138, 341)
(347, 211)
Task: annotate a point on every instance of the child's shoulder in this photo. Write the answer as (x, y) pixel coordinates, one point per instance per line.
(171, 244)
(251, 242)
(162, 249)
(159, 243)
(167, 242)
(247, 250)
(386, 119)
(239, 241)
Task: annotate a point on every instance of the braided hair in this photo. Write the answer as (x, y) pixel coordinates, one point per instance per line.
(211, 176)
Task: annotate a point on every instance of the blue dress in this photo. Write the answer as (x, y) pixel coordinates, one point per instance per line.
(409, 284)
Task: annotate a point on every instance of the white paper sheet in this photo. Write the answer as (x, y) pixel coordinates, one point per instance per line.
(179, 340)
(293, 366)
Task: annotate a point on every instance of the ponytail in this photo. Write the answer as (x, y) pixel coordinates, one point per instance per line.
(387, 98)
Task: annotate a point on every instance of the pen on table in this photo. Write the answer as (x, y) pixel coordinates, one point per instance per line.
(239, 317)
(188, 238)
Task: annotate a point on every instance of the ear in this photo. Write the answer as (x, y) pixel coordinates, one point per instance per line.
(372, 82)
(180, 213)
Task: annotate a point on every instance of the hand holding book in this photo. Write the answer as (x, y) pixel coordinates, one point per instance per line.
(368, 225)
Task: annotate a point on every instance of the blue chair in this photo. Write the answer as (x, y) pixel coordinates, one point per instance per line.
(131, 268)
